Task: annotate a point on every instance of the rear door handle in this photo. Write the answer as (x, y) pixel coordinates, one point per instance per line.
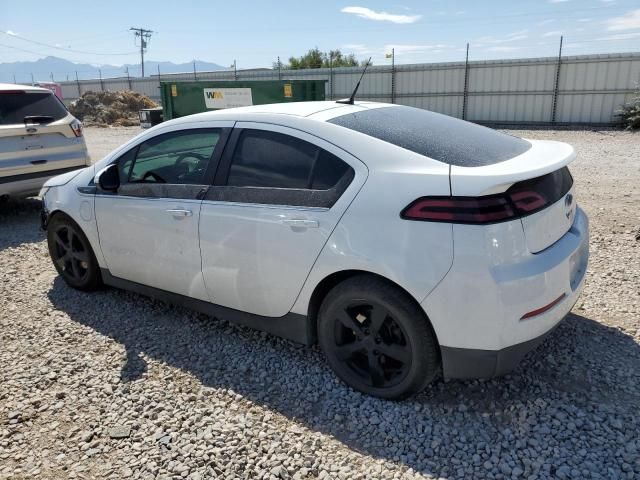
(294, 222)
(179, 212)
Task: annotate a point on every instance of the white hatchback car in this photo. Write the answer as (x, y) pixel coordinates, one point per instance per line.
(39, 139)
(405, 242)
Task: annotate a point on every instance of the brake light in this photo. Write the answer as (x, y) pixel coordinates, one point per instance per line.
(460, 209)
(76, 126)
(521, 199)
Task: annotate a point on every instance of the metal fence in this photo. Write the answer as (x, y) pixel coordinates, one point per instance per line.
(585, 89)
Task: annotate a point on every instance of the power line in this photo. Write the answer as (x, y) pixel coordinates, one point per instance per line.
(144, 35)
(20, 37)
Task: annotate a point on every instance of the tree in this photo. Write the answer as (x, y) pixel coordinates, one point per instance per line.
(314, 58)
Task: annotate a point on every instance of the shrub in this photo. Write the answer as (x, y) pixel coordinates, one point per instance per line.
(630, 112)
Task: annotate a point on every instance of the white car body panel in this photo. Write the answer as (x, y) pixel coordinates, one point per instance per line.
(143, 242)
(495, 280)
(246, 247)
(543, 157)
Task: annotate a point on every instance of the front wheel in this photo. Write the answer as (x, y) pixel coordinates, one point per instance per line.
(377, 339)
(71, 254)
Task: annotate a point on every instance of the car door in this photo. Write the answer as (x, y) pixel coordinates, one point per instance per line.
(148, 229)
(278, 195)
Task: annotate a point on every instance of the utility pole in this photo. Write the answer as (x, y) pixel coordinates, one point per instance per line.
(279, 69)
(194, 70)
(235, 71)
(144, 35)
(129, 78)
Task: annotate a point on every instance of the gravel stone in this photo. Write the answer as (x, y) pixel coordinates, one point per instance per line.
(207, 399)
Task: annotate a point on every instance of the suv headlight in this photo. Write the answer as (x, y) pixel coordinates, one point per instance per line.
(43, 192)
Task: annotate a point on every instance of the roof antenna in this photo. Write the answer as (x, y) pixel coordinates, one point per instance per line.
(349, 101)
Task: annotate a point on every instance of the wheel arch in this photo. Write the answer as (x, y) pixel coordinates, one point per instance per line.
(334, 279)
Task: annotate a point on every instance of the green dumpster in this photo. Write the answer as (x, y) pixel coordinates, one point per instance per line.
(185, 98)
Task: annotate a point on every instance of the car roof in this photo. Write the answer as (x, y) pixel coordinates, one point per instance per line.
(14, 86)
(318, 110)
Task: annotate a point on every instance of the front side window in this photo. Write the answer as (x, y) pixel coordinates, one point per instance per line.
(177, 158)
(275, 160)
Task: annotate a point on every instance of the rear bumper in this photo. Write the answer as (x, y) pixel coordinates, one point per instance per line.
(465, 363)
(31, 182)
(499, 301)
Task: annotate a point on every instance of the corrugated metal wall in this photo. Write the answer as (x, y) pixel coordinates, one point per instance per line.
(590, 88)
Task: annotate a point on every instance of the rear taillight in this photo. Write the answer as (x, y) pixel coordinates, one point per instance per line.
(76, 126)
(521, 199)
(460, 209)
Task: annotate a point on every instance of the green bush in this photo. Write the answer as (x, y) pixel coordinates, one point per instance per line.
(630, 112)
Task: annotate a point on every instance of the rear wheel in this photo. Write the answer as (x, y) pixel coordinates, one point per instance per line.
(71, 254)
(377, 339)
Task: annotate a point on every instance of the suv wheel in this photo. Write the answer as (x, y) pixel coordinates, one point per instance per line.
(71, 254)
(377, 339)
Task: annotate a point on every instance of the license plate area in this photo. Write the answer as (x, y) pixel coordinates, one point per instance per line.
(578, 265)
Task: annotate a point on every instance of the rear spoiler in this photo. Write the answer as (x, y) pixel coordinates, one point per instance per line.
(543, 157)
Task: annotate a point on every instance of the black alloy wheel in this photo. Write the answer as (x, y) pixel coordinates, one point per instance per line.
(371, 344)
(71, 254)
(377, 338)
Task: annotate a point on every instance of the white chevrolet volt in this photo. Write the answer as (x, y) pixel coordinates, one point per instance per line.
(406, 243)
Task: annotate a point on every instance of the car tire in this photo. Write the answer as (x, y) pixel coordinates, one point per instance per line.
(377, 339)
(71, 254)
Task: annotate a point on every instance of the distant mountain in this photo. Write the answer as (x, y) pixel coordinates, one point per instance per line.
(62, 69)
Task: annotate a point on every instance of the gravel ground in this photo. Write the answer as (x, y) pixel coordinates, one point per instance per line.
(196, 398)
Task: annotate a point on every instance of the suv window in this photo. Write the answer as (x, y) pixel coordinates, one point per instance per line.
(443, 138)
(275, 160)
(178, 158)
(14, 106)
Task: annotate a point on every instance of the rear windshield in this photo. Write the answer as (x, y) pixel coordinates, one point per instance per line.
(437, 136)
(15, 106)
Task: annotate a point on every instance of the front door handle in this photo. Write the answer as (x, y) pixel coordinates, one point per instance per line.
(300, 223)
(179, 212)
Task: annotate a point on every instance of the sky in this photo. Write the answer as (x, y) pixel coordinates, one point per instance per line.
(255, 33)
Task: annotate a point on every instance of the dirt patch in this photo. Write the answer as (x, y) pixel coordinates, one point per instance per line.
(117, 109)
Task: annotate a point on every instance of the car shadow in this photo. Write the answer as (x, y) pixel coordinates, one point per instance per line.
(578, 378)
(20, 222)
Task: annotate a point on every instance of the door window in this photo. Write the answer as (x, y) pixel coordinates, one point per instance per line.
(178, 158)
(281, 169)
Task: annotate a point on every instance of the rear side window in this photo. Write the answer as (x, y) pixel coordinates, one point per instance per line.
(443, 138)
(274, 160)
(14, 107)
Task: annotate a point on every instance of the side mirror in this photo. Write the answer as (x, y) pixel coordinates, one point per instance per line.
(109, 179)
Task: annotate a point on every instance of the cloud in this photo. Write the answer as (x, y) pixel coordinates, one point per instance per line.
(628, 21)
(357, 48)
(369, 14)
(620, 36)
(546, 22)
(511, 37)
(555, 33)
(503, 49)
(558, 1)
(584, 20)
(413, 49)
(12, 33)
